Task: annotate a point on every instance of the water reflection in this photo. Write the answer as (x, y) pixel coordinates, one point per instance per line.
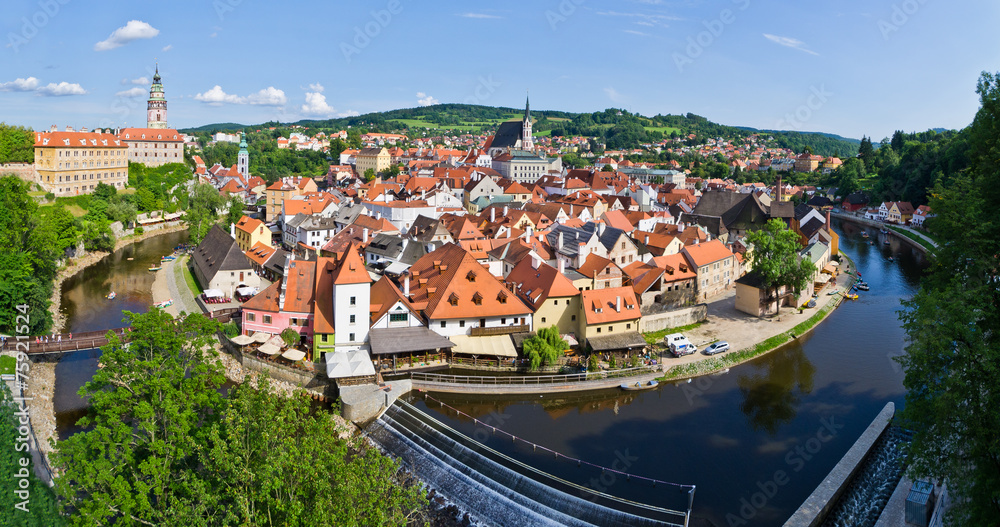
(773, 389)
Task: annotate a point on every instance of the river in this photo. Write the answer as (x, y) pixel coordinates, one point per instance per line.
(729, 434)
(86, 308)
(736, 434)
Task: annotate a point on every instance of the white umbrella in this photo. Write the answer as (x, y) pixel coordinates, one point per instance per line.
(294, 355)
(268, 349)
(242, 340)
(260, 337)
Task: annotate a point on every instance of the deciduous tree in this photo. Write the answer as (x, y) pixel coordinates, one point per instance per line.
(775, 257)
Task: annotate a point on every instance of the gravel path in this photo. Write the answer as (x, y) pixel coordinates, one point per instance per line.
(170, 284)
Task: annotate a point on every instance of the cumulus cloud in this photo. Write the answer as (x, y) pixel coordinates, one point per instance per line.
(132, 30)
(217, 97)
(52, 89)
(316, 105)
(131, 92)
(168, 47)
(316, 87)
(269, 96)
(19, 84)
(789, 42)
(141, 81)
(426, 100)
(349, 113)
(61, 89)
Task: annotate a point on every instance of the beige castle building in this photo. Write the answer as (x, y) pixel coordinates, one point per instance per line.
(70, 163)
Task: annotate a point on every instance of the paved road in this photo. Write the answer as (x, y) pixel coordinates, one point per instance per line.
(178, 287)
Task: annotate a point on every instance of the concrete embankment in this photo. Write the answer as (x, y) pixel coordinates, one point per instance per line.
(813, 511)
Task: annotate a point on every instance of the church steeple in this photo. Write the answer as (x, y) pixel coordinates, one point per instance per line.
(243, 158)
(526, 142)
(156, 106)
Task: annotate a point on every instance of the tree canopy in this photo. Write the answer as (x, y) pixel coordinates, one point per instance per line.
(775, 257)
(952, 358)
(164, 445)
(544, 347)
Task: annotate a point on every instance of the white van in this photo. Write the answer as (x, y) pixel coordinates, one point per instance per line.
(679, 344)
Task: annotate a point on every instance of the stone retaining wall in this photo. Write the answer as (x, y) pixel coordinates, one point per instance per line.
(673, 319)
(872, 223)
(25, 171)
(813, 511)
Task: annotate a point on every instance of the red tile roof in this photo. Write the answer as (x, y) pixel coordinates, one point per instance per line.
(351, 268)
(599, 305)
(706, 253)
(537, 285)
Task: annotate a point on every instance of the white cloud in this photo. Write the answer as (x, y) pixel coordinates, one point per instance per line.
(613, 94)
(217, 97)
(634, 32)
(349, 113)
(168, 47)
(63, 88)
(316, 87)
(269, 96)
(141, 81)
(426, 100)
(133, 30)
(213, 35)
(316, 105)
(19, 84)
(131, 92)
(478, 15)
(789, 43)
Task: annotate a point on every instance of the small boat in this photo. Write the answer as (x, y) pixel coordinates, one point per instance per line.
(111, 295)
(864, 234)
(891, 259)
(168, 258)
(862, 287)
(164, 304)
(155, 268)
(639, 386)
(852, 296)
(831, 293)
(886, 242)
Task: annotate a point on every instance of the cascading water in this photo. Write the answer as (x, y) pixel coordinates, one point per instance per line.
(483, 483)
(870, 490)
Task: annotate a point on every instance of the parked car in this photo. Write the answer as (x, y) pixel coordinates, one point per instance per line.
(716, 347)
(679, 345)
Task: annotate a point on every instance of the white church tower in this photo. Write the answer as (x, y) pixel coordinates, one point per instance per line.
(156, 106)
(243, 158)
(526, 142)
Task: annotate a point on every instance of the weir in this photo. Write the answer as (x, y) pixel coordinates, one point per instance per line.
(497, 489)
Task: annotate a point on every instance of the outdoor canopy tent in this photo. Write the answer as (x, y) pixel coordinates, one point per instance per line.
(357, 363)
(260, 337)
(496, 345)
(242, 340)
(245, 291)
(213, 293)
(294, 355)
(268, 349)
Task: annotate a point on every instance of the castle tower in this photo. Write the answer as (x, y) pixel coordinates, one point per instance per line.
(156, 107)
(243, 158)
(526, 142)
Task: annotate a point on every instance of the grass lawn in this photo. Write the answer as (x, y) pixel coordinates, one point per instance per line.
(914, 237)
(192, 282)
(7, 365)
(654, 337)
(667, 130)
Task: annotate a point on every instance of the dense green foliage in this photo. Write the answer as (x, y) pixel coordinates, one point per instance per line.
(42, 509)
(544, 347)
(204, 207)
(165, 447)
(17, 144)
(28, 253)
(290, 337)
(159, 188)
(952, 358)
(775, 257)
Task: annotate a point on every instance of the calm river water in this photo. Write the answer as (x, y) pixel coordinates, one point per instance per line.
(728, 434)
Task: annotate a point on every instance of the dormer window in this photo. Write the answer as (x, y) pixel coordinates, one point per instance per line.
(477, 299)
(453, 299)
(502, 297)
(471, 276)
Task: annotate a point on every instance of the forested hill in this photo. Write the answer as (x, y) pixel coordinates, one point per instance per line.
(616, 128)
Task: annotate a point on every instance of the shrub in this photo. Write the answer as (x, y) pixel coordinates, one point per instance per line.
(139, 230)
(230, 330)
(544, 347)
(593, 364)
(49, 196)
(290, 336)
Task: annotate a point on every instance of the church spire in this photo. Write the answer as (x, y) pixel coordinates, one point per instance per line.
(527, 108)
(156, 76)
(526, 142)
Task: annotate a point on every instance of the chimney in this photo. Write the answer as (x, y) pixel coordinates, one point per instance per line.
(535, 262)
(69, 128)
(560, 244)
(406, 285)
(493, 214)
(505, 210)
(423, 194)
(829, 226)
(618, 304)
(779, 187)
(232, 230)
(647, 240)
(364, 234)
(600, 228)
(562, 266)
(680, 227)
(54, 128)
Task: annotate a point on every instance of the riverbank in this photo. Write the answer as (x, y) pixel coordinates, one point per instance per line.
(753, 337)
(75, 265)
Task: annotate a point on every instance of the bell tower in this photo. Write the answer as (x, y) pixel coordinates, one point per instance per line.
(526, 142)
(156, 106)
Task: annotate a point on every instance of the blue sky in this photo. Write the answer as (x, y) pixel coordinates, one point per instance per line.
(848, 67)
